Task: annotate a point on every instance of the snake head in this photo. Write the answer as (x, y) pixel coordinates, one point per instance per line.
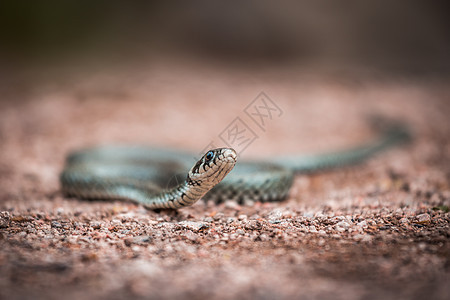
(212, 167)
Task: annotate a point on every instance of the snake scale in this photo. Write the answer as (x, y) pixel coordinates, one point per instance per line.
(165, 178)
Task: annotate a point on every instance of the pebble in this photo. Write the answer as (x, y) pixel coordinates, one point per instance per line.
(95, 224)
(116, 222)
(240, 232)
(404, 221)
(138, 240)
(218, 216)
(263, 237)
(342, 226)
(231, 220)
(367, 238)
(242, 217)
(249, 203)
(362, 224)
(358, 237)
(340, 229)
(275, 214)
(308, 214)
(194, 226)
(5, 219)
(423, 218)
(232, 205)
(191, 236)
(422, 246)
(56, 224)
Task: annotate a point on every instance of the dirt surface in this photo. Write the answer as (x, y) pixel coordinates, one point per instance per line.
(376, 230)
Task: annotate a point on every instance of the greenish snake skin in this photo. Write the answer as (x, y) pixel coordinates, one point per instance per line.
(165, 178)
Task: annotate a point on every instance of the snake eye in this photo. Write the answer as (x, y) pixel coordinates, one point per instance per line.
(209, 155)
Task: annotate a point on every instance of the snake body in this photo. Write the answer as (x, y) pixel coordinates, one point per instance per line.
(156, 177)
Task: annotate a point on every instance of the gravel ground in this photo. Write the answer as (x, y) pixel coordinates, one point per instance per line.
(376, 230)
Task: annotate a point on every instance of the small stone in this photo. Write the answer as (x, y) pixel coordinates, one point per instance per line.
(90, 256)
(138, 240)
(423, 218)
(5, 219)
(340, 229)
(95, 224)
(230, 220)
(232, 205)
(358, 237)
(371, 222)
(367, 238)
(255, 217)
(218, 216)
(342, 226)
(208, 220)
(362, 224)
(338, 218)
(275, 214)
(320, 215)
(308, 214)
(312, 229)
(194, 226)
(116, 222)
(263, 237)
(404, 221)
(248, 202)
(422, 246)
(322, 232)
(242, 217)
(56, 224)
(240, 232)
(191, 236)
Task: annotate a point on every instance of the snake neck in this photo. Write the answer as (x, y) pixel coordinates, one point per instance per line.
(185, 194)
(202, 177)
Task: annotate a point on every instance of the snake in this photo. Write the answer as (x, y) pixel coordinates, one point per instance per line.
(166, 178)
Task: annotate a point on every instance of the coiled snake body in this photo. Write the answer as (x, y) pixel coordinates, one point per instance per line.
(156, 177)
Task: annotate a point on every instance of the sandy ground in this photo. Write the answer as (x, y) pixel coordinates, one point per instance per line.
(376, 230)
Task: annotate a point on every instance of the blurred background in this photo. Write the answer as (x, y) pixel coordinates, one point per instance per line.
(402, 37)
(117, 63)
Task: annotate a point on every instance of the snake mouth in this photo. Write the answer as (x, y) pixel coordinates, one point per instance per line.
(226, 160)
(229, 153)
(229, 161)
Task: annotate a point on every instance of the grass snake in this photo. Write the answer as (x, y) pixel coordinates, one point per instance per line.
(165, 178)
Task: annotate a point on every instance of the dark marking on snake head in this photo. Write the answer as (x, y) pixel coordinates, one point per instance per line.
(196, 168)
(192, 182)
